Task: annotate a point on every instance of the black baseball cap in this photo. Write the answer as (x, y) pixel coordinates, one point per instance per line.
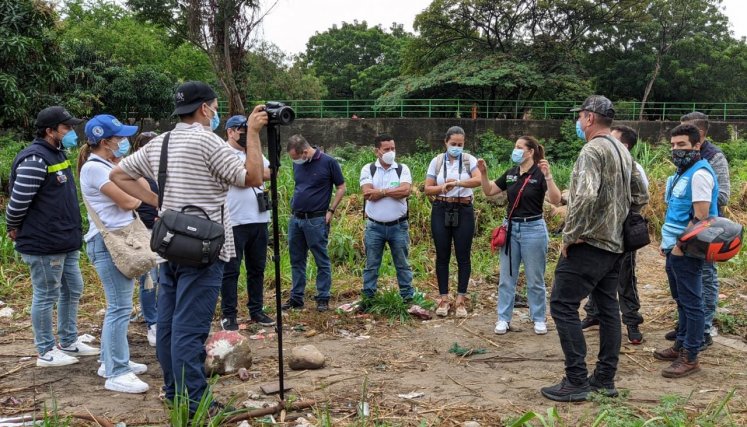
(191, 95)
(52, 116)
(597, 104)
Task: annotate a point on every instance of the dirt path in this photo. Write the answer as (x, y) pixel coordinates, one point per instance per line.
(396, 359)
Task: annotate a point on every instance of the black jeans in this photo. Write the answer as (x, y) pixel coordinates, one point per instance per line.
(587, 270)
(462, 238)
(627, 292)
(250, 240)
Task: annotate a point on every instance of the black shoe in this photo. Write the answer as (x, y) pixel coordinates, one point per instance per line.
(291, 304)
(672, 335)
(634, 335)
(262, 319)
(229, 324)
(606, 388)
(588, 322)
(707, 342)
(322, 305)
(520, 301)
(565, 391)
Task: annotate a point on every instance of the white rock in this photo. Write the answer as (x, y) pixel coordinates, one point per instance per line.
(6, 312)
(471, 424)
(306, 357)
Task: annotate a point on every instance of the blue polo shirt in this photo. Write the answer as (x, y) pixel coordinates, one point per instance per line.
(314, 180)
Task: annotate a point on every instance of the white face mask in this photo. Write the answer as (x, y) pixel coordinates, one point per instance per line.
(388, 157)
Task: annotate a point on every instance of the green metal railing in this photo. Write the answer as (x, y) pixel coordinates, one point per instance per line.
(498, 109)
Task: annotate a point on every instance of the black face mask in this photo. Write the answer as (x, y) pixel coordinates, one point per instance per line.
(242, 139)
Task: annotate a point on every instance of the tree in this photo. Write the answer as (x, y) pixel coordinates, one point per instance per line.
(541, 38)
(354, 59)
(222, 29)
(30, 58)
(272, 79)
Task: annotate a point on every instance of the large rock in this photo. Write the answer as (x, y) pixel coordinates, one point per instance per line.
(306, 357)
(227, 352)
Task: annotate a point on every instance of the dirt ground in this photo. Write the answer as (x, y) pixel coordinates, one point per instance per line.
(493, 387)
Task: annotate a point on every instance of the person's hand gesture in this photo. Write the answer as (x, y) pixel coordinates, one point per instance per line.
(544, 166)
(257, 119)
(482, 167)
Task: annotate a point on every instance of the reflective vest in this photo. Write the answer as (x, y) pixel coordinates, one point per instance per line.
(52, 224)
(679, 198)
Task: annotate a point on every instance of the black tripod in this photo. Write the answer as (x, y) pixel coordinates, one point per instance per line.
(273, 150)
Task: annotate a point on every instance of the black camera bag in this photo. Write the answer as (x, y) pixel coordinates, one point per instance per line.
(181, 238)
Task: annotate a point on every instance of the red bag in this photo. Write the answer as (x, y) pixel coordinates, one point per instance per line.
(498, 238)
(500, 233)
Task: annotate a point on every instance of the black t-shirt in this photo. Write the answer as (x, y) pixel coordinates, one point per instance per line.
(147, 212)
(534, 193)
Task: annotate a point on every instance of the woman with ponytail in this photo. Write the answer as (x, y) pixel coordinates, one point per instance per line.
(107, 143)
(526, 185)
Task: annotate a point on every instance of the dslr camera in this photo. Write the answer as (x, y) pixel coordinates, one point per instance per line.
(279, 114)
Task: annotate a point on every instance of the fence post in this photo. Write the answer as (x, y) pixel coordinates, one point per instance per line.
(663, 111)
(401, 108)
(459, 109)
(724, 111)
(544, 115)
(321, 109)
(430, 106)
(347, 108)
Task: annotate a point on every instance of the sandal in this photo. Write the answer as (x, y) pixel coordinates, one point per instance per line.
(443, 308)
(461, 311)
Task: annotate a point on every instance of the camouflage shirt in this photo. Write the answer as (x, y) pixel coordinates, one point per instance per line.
(599, 199)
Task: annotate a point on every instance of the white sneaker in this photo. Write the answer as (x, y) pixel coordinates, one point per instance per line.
(55, 357)
(79, 348)
(540, 328)
(501, 327)
(137, 368)
(152, 335)
(713, 332)
(126, 383)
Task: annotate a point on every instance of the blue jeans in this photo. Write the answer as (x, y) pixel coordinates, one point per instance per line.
(186, 303)
(528, 244)
(148, 297)
(115, 351)
(398, 237)
(685, 276)
(55, 278)
(304, 235)
(710, 293)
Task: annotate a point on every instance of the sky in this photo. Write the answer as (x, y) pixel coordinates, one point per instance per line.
(290, 24)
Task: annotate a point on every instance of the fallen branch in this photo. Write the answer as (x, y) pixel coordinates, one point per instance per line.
(101, 421)
(272, 410)
(638, 363)
(15, 390)
(16, 369)
(515, 359)
(458, 383)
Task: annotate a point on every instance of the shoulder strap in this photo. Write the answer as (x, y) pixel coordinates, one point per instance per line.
(162, 167)
(102, 162)
(622, 167)
(518, 196)
(439, 163)
(399, 170)
(372, 169)
(95, 218)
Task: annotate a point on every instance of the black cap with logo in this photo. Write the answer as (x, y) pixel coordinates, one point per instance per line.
(191, 95)
(50, 117)
(597, 104)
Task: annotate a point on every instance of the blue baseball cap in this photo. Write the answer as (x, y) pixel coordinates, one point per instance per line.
(106, 126)
(235, 121)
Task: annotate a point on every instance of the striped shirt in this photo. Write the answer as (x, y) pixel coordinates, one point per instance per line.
(201, 168)
(31, 173)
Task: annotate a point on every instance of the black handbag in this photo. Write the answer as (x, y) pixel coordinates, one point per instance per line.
(635, 227)
(181, 238)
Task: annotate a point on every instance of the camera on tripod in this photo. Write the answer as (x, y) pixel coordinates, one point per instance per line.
(279, 114)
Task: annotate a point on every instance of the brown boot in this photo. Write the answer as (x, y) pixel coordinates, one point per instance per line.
(682, 367)
(670, 354)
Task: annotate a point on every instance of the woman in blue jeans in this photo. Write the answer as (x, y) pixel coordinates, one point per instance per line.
(526, 185)
(107, 142)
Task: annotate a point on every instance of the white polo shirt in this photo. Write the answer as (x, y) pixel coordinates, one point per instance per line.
(388, 208)
(242, 201)
(453, 166)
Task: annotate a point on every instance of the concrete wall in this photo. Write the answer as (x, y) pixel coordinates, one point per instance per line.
(331, 132)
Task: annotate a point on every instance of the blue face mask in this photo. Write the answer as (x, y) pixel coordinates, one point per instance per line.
(517, 156)
(215, 121)
(455, 151)
(123, 149)
(580, 132)
(70, 139)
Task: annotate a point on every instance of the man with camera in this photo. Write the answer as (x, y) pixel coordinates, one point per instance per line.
(386, 185)
(308, 229)
(200, 169)
(249, 210)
